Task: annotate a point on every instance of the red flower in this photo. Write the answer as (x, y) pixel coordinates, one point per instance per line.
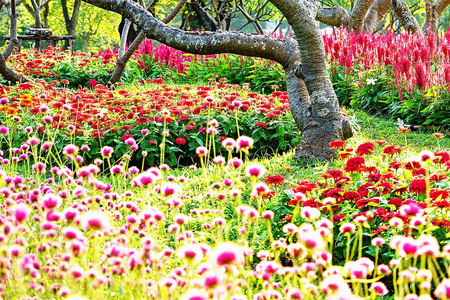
(262, 125)
(275, 180)
(151, 142)
(92, 82)
(364, 149)
(180, 141)
(337, 144)
(354, 164)
(126, 136)
(391, 150)
(418, 186)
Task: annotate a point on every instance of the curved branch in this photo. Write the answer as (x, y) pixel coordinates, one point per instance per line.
(174, 12)
(359, 13)
(333, 16)
(195, 42)
(405, 16)
(376, 13)
(5, 71)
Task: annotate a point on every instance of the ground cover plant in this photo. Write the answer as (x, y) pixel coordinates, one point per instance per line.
(405, 75)
(78, 222)
(153, 123)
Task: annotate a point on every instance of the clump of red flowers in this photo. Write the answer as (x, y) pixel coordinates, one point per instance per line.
(275, 180)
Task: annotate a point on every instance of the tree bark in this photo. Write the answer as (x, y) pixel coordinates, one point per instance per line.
(358, 14)
(333, 16)
(328, 122)
(5, 71)
(376, 13)
(405, 16)
(71, 22)
(319, 117)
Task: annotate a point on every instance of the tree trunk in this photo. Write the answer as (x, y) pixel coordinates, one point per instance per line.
(328, 123)
(318, 116)
(5, 71)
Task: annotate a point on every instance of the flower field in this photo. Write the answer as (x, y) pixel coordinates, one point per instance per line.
(92, 208)
(403, 75)
(163, 191)
(163, 122)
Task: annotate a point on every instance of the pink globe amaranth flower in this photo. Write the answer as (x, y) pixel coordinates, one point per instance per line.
(201, 151)
(107, 151)
(190, 252)
(220, 160)
(244, 143)
(169, 189)
(229, 144)
(259, 190)
(21, 212)
(33, 141)
(133, 170)
(255, 170)
(51, 201)
(47, 146)
(39, 167)
(236, 103)
(70, 149)
(443, 289)
(268, 214)
(4, 130)
(294, 294)
(426, 156)
(378, 242)
(85, 148)
(144, 179)
(79, 192)
(47, 119)
(116, 169)
(235, 162)
(210, 99)
(144, 131)
(228, 254)
(96, 220)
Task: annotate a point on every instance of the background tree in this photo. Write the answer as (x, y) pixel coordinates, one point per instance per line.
(71, 20)
(35, 8)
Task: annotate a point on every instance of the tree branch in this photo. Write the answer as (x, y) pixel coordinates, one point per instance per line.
(358, 14)
(405, 16)
(195, 42)
(376, 13)
(333, 16)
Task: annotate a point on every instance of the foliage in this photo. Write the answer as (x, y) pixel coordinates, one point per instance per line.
(373, 223)
(101, 116)
(402, 75)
